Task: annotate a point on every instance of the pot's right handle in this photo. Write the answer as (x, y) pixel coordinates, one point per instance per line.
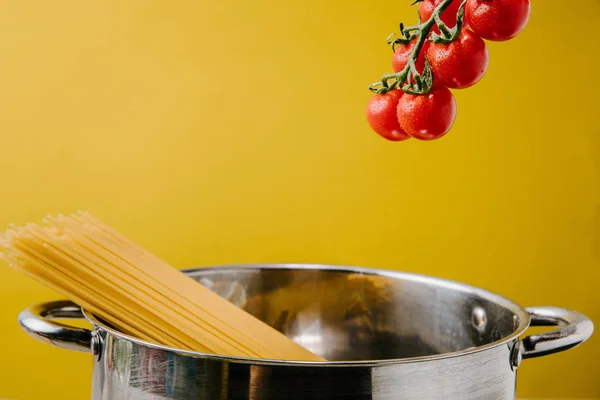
(575, 329)
(37, 322)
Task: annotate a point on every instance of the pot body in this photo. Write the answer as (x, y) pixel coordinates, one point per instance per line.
(386, 335)
(126, 370)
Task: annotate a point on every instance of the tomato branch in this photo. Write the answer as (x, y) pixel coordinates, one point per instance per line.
(422, 82)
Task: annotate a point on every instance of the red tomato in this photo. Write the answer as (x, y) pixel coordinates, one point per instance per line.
(461, 63)
(381, 115)
(497, 20)
(427, 116)
(426, 8)
(402, 55)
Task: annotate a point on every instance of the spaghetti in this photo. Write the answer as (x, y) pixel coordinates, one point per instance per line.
(136, 292)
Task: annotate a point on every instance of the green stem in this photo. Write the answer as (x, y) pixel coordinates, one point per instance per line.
(423, 31)
(451, 35)
(442, 26)
(416, 76)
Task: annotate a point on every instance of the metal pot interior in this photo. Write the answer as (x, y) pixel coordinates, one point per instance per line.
(360, 314)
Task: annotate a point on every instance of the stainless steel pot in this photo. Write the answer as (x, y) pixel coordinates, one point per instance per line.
(388, 335)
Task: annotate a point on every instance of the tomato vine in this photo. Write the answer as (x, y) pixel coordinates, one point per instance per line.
(420, 83)
(431, 58)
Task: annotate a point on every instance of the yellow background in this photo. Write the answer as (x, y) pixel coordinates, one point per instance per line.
(217, 132)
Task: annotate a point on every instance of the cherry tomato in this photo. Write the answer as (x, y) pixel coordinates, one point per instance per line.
(402, 54)
(448, 17)
(427, 116)
(381, 115)
(497, 20)
(461, 63)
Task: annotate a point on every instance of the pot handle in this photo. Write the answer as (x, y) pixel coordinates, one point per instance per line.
(37, 322)
(575, 329)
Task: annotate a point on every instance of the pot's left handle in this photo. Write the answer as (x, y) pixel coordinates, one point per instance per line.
(37, 322)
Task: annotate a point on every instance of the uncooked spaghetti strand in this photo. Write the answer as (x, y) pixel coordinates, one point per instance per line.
(69, 258)
(112, 242)
(91, 258)
(225, 309)
(106, 261)
(201, 320)
(208, 319)
(44, 264)
(53, 259)
(206, 344)
(89, 218)
(20, 263)
(277, 342)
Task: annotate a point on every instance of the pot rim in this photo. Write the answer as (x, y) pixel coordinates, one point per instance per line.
(520, 312)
